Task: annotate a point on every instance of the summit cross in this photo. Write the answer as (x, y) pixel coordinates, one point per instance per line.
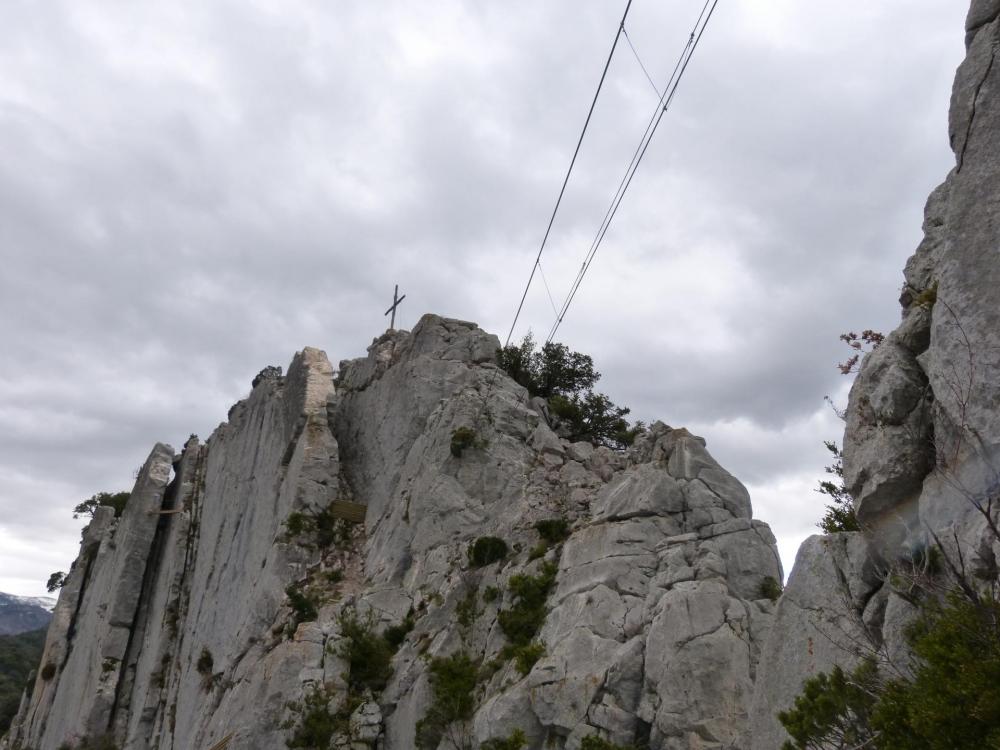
(396, 299)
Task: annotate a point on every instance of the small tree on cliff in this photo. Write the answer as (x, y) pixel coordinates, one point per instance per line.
(839, 514)
(565, 379)
(116, 500)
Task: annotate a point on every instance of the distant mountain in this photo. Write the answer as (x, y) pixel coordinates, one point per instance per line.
(19, 656)
(19, 614)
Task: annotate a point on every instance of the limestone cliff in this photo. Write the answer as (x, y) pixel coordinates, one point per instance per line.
(186, 623)
(922, 443)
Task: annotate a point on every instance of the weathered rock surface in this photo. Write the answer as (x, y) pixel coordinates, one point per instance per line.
(176, 630)
(922, 443)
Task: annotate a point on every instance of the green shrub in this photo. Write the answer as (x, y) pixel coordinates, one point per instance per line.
(467, 609)
(335, 576)
(462, 438)
(952, 701)
(305, 608)
(491, 594)
(514, 741)
(553, 530)
(453, 684)
(368, 654)
(839, 515)
(525, 657)
(316, 724)
(55, 582)
(395, 634)
(487, 550)
(48, 671)
(205, 663)
(593, 742)
(317, 529)
(592, 417)
(538, 551)
(927, 297)
(526, 615)
(565, 379)
(769, 589)
(101, 742)
(837, 704)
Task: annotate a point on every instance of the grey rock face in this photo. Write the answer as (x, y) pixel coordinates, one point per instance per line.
(923, 411)
(922, 444)
(176, 629)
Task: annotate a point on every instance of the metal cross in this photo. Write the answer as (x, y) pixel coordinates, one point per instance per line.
(396, 299)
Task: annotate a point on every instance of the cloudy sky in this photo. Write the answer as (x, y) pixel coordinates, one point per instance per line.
(192, 190)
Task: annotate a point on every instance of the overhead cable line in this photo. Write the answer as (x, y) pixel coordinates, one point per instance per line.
(536, 266)
(639, 60)
(661, 109)
(562, 190)
(548, 291)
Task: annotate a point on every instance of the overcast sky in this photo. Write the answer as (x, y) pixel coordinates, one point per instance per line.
(190, 191)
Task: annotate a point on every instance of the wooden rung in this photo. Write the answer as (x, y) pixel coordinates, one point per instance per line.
(224, 742)
(348, 511)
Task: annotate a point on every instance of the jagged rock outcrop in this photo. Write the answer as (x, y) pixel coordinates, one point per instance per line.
(922, 442)
(212, 613)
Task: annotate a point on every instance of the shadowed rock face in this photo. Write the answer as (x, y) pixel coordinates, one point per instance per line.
(922, 443)
(174, 629)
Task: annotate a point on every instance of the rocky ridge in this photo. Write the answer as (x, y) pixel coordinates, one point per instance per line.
(177, 627)
(186, 623)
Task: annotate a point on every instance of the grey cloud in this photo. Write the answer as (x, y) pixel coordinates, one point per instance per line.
(192, 191)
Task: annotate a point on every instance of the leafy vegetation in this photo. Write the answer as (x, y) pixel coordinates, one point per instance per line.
(952, 700)
(55, 582)
(839, 514)
(305, 607)
(487, 550)
(205, 663)
(453, 683)
(463, 438)
(316, 724)
(19, 656)
(317, 529)
(467, 609)
(205, 666)
(770, 588)
(116, 500)
(526, 615)
(526, 656)
(868, 338)
(367, 653)
(514, 741)
(102, 742)
(593, 742)
(565, 379)
(395, 634)
(553, 530)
